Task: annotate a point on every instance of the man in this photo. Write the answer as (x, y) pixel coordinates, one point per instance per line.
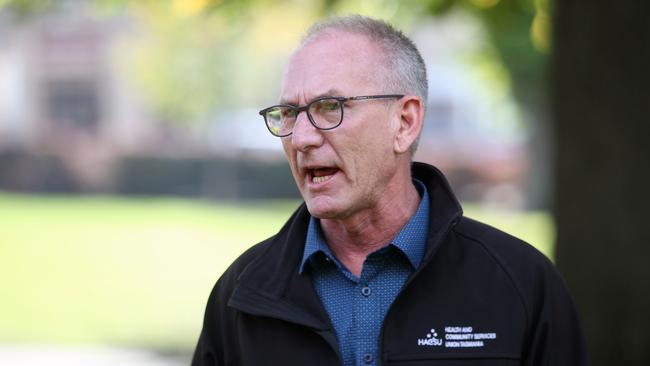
(378, 267)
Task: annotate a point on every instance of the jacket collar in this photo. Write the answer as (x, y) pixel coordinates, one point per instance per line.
(444, 210)
(271, 284)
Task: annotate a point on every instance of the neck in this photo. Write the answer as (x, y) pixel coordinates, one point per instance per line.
(352, 239)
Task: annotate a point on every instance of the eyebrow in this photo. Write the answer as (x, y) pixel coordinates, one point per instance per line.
(329, 93)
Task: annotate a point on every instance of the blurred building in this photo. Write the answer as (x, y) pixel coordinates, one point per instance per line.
(64, 101)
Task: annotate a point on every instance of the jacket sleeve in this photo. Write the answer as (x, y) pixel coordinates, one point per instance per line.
(205, 353)
(213, 347)
(556, 336)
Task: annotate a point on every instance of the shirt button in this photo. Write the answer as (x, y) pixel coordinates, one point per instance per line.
(367, 358)
(365, 291)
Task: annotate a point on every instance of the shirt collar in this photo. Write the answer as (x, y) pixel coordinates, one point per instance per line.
(411, 239)
(314, 243)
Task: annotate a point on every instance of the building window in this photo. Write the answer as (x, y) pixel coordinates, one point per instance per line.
(73, 103)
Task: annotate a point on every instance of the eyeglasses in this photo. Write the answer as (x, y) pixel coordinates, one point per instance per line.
(324, 113)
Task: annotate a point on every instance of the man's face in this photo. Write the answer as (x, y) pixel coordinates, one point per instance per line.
(342, 171)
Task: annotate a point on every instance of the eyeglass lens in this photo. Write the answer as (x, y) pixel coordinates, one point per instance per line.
(324, 113)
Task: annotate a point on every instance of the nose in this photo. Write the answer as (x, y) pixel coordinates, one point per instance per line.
(305, 135)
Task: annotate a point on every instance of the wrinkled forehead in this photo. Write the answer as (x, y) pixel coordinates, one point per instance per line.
(335, 61)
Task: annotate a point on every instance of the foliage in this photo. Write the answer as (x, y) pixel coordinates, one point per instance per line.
(179, 61)
(25, 7)
(519, 31)
(200, 55)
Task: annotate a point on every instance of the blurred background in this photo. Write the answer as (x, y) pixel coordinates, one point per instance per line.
(134, 166)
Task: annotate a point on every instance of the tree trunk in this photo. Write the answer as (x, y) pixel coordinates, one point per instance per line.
(601, 115)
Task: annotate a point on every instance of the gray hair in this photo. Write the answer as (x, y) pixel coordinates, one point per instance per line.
(405, 69)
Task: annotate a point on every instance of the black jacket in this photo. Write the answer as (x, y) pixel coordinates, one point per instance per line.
(479, 297)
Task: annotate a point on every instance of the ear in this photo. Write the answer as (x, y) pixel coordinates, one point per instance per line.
(411, 119)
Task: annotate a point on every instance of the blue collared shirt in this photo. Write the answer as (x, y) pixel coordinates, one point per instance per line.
(357, 305)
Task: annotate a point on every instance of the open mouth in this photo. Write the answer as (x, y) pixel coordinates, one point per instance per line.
(321, 175)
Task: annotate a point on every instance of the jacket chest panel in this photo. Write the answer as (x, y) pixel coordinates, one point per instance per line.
(267, 341)
(460, 307)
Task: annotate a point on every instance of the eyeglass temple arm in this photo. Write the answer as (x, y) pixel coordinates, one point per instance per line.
(362, 97)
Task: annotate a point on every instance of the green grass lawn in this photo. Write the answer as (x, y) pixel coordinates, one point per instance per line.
(137, 271)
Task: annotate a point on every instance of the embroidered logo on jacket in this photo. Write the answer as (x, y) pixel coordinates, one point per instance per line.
(430, 340)
(457, 337)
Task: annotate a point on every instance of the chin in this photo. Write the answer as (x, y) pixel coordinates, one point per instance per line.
(320, 212)
(322, 209)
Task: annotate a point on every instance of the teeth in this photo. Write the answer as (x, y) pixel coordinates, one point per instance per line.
(321, 179)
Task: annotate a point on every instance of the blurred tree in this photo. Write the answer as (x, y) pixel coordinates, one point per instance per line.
(601, 95)
(520, 32)
(198, 54)
(26, 7)
(179, 61)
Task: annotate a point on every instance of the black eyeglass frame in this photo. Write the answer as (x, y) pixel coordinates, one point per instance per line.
(306, 107)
